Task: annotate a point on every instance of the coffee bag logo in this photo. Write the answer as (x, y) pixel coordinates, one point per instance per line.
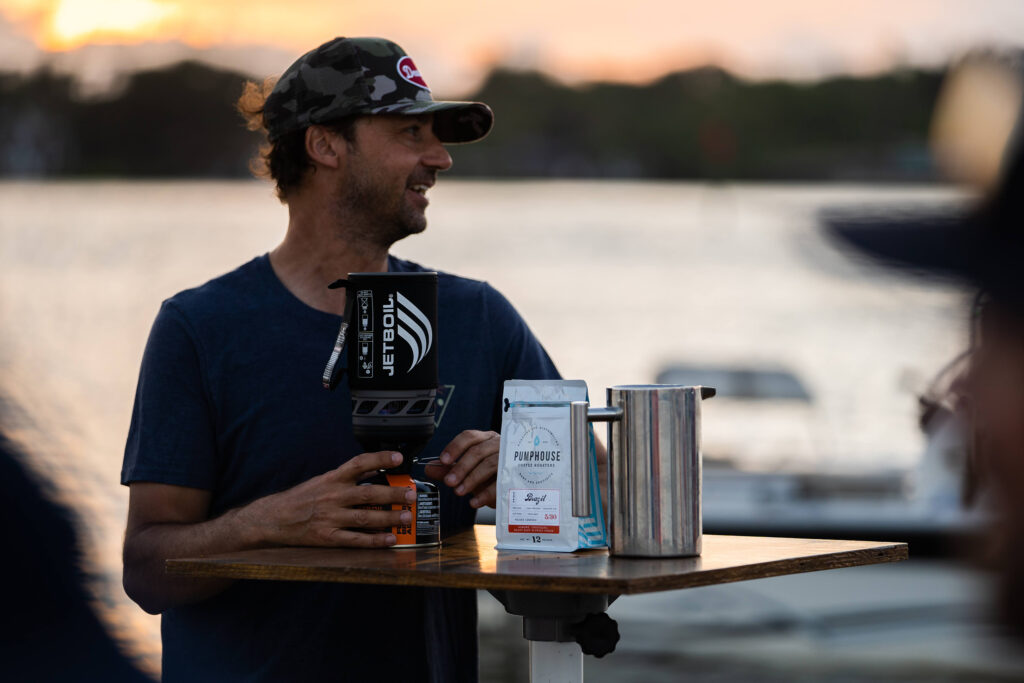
(408, 71)
(536, 455)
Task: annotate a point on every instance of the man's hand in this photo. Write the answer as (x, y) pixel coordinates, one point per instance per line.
(325, 511)
(472, 463)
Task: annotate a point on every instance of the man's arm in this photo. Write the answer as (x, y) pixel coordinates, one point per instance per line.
(166, 521)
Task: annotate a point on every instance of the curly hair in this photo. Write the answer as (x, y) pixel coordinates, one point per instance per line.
(285, 160)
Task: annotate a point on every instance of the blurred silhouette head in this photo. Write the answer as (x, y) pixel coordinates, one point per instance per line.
(334, 85)
(982, 246)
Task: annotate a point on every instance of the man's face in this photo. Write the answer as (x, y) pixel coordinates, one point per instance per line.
(390, 166)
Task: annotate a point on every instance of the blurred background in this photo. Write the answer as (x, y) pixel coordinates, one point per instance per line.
(687, 146)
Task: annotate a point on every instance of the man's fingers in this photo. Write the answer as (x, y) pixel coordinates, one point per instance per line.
(485, 496)
(367, 475)
(470, 459)
(368, 462)
(343, 538)
(373, 519)
(465, 440)
(436, 470)
(484, 472)
(377, 494)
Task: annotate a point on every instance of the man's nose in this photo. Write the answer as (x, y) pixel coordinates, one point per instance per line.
(437, 156)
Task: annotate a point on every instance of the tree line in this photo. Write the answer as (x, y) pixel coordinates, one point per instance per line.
(704, 123)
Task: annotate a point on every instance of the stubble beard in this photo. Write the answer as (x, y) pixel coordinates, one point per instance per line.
(373, 212)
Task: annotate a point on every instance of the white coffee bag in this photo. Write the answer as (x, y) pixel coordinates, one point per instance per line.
(534, 509)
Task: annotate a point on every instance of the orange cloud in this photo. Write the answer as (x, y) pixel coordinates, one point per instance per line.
(73, 23)
(66, 24)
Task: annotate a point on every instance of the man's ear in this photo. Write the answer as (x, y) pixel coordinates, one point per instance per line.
(324, 147)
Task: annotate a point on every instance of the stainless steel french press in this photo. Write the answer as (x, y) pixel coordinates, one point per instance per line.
(654, 467)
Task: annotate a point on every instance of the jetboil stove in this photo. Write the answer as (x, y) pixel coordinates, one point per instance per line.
(392, 375)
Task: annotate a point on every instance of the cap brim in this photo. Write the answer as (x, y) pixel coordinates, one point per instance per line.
(933, 242)
(454, 122)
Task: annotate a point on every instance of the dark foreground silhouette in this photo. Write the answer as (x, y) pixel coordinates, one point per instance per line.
(48, 632)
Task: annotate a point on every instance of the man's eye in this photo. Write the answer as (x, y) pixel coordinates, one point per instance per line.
(415, 130)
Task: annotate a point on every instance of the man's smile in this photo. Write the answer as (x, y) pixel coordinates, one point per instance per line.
(419, 194)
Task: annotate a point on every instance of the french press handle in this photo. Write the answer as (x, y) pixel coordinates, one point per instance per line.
(580, 414)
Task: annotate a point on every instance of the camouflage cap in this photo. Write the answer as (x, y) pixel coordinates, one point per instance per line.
(347, 76)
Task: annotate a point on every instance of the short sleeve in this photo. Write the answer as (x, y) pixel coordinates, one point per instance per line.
(171, 438)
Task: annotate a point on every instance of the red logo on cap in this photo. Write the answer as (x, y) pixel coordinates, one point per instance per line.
(408, 71)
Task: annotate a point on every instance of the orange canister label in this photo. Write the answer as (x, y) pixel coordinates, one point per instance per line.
(406, 533)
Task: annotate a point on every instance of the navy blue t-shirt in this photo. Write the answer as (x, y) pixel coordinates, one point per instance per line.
(229, 400)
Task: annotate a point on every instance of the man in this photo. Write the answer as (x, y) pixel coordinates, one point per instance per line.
(234, 445)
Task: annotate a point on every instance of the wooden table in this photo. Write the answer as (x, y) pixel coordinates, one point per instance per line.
(561, 596)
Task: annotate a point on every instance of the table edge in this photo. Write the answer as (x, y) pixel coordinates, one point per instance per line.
(234, 569)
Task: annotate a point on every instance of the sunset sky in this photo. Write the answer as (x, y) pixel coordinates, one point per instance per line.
(455, 41)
